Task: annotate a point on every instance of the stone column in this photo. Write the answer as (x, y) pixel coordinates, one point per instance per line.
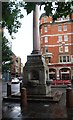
(36, 35)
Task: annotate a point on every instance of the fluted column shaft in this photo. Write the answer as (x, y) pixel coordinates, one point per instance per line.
(36, 35)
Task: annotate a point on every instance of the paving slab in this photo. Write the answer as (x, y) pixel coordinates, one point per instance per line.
(38, 110)
(0, 98)
(53, 96)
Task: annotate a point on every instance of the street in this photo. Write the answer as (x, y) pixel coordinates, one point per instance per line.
(14, 88)
(37, 110)
(33, 110)
(0, 99)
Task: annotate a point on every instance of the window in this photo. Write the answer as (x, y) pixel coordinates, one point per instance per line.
(68, 18)
(45, 19)
(59, 28)
(42, 50)
(66, 48)
(46, 39)
(64, 59)
(65, 27)
(60, 38)
(41, 30)
(68, 59)
(65, 37)
(60, 59)
(45, 28)
(61, 49)
(46, 49)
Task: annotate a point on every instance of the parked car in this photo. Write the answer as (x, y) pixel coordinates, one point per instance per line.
(20, 78)
(15, 80)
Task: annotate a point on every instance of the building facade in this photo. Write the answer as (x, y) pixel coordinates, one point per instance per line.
(56, 40)
(16, 66)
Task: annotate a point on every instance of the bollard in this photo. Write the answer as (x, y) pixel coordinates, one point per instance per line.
(20, 86)
(8, 89)
(69, 97)
(23, 98)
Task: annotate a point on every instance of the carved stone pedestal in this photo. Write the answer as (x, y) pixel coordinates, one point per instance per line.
(36, 75)
(35, 70)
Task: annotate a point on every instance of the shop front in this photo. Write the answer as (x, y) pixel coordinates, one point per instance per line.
(65, 74)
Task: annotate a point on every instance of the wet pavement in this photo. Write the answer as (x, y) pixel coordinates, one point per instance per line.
(0, 99)
(38, 110)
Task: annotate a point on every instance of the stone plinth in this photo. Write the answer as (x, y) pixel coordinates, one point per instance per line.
(36, 75)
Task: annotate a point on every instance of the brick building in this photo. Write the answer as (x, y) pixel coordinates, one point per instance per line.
(56, 40)
(16, 66)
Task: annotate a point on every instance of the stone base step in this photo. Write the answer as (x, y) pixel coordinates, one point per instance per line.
(55, 97)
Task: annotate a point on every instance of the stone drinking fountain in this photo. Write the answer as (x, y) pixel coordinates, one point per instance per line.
(35, 71)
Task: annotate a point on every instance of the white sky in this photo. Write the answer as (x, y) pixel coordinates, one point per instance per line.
(22, 45)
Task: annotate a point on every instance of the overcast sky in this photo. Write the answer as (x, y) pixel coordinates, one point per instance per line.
(22, 45)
